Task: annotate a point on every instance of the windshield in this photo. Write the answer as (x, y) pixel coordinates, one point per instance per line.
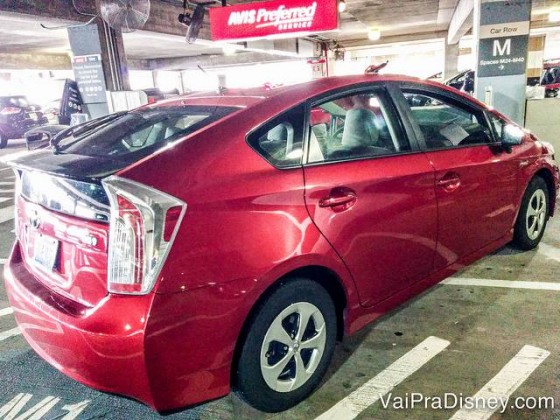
(550, 76)
(133, 135)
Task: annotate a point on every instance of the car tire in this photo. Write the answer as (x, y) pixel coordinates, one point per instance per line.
(3, 140)
(280, 364)
(533, 215)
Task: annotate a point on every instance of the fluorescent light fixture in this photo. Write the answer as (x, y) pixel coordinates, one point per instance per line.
(341, 6)
(374, 34)
(554, 16)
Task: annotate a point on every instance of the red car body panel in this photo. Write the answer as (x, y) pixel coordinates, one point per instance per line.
(372, 237)
(247, 226)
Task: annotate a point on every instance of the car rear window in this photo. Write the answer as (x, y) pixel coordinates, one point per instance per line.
(132, 135)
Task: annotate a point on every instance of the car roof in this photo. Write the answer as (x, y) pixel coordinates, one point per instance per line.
(291, 94)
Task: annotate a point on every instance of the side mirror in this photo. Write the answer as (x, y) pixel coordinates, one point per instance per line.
(512, 135)
(40, 137)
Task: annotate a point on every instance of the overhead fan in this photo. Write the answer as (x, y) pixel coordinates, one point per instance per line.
(125, 15)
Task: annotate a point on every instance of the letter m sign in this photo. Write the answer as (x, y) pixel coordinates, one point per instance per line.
(501, 49)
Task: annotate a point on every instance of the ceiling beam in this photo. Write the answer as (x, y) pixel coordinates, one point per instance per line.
(35, 61)
(209, 61)
(361, 43)
(461, 21)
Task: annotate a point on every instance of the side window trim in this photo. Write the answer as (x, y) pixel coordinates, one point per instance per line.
(411, 129)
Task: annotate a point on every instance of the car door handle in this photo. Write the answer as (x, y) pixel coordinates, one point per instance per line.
(342, 198)
(449, 182)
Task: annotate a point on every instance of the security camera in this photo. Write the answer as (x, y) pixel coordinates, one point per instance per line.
(185, 18)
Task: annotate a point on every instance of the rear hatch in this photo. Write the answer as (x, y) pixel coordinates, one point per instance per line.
(68, 204)
(62, 226)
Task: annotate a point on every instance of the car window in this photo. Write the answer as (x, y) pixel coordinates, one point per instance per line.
(353, 126)
(135, 134)
(445, 123)
(280, 141)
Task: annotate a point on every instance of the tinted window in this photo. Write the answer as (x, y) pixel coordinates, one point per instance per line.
(132, 135)
(353, 126)
(280, 140)
(445, 123)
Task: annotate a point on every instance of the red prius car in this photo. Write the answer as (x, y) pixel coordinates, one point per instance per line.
(225, 241)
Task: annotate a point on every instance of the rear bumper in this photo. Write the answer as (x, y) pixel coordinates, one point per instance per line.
(102, 347)
(167, 351)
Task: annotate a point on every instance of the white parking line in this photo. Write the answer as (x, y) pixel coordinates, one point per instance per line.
(7, 213)
(504, 383)
(3, 199)
(6, 169)
(510, 284)
(6, 311)
(7, 191)
(9, 333)
(385, 381)
(3, 261)
(6, 183)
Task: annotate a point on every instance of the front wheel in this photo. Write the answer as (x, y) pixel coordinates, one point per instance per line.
(533, 215)
(288, 346)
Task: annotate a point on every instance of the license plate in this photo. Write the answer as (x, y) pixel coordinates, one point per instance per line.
(45, 250)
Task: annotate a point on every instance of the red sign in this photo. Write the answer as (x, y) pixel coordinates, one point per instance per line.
(272, 18)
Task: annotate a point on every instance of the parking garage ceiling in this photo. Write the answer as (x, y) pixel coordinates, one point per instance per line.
(23, 34)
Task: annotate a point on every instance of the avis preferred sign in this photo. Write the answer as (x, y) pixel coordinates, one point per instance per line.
(272, 18)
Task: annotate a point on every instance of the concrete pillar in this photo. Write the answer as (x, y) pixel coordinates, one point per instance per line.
(114, 57)
(535, 58)
(451, 64)
(501, 29)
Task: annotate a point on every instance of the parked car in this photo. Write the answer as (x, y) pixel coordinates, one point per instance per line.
(225, 241)
(16, 117)
(551, 79)
(463, 81)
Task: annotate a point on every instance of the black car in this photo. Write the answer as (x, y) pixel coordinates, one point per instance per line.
(551, 79)
(16, 117)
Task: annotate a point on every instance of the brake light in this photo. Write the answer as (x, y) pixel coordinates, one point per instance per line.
(143, 225)
(10, 110)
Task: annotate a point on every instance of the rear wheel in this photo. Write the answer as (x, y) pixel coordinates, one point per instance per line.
(533, 215)
(288, 346)
(3, 140)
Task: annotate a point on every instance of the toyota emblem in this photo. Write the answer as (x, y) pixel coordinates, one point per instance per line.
(35, 220)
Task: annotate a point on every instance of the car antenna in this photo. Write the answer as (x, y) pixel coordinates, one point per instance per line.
(374, 69)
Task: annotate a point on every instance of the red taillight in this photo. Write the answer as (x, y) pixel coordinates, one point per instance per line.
(171, 218)
(143, 224)
(127, 268)
(10, 110)
(152, 101)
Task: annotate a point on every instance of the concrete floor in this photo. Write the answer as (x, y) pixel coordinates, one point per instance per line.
(485, 326)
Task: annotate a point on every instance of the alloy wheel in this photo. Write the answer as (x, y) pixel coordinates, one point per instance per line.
(536, 214)
(293, 347)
